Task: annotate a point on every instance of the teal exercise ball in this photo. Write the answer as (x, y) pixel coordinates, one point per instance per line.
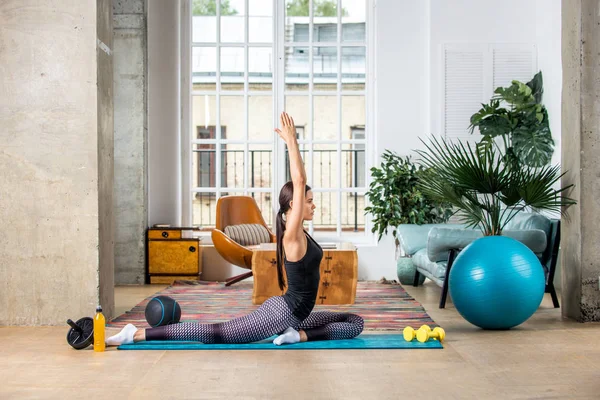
(496, 283)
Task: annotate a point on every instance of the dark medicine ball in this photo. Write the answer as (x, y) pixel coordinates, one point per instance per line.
(162, 310)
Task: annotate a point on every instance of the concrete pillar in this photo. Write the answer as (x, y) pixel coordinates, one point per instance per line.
(581, 158)
(130, 66)
(56, 146)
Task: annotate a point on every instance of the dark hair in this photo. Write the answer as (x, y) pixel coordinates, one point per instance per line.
(285, 197)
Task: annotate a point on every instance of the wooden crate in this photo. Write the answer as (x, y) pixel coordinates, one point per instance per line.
(171, 256)
(169, 279)
(339, 274)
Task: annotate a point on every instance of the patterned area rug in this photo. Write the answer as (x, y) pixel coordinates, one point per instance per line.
(383, 306)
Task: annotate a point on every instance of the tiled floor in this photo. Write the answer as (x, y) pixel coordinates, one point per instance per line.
(545, 358)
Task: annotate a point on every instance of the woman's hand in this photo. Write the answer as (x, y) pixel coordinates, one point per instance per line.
(288, 130)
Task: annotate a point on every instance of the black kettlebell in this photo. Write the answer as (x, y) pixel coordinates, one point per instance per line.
(81, 334)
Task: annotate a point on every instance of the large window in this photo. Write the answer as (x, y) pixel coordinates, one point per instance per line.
(252, 59)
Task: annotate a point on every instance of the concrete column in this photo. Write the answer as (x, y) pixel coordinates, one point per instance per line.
(581, 158)
(56, 145)
(131, 210)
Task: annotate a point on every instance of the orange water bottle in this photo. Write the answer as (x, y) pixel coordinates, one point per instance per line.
(99, 331)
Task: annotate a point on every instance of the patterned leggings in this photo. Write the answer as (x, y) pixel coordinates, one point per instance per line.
(271, 318)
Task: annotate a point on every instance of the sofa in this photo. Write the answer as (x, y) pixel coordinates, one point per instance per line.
(434, 247)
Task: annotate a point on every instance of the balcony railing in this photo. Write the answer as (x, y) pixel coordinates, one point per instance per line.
(325, 172)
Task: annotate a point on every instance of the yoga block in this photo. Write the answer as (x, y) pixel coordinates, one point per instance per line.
(339, 274)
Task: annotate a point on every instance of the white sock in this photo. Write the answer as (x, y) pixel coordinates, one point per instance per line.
(123, 337)
(290, 335)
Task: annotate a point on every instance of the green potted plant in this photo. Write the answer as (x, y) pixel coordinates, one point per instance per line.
(516, 121)
(507, 171)
(395, 199)
(487, 191)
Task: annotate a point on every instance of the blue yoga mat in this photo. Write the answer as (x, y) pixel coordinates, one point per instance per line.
(367, 341)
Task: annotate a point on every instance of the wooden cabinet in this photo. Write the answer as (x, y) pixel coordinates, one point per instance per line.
(173, 253)
(339, 274)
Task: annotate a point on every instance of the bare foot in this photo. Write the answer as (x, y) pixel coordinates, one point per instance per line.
(303, 337)
(139, 335)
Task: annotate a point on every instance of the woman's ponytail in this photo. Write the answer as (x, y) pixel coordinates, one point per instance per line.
(279, 230)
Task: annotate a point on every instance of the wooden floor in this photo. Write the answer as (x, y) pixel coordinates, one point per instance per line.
(545, 358)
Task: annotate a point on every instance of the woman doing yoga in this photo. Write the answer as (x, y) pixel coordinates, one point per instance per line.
(289, 316)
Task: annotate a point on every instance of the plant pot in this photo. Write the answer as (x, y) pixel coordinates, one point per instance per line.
(405, 270)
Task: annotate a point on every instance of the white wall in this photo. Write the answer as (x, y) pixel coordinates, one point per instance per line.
(402, 99)
(548, 39)
(472, 21)
(509, 21)
(409, 35)
(164, 189)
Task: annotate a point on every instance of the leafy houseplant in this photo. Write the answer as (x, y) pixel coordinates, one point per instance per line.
(396, 199)
(516, 117)
(488, 191)
(508, 170)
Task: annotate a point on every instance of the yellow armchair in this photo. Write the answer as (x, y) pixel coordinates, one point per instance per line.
(236, 210)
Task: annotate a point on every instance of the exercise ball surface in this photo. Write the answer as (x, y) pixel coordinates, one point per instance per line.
(496, 283)
(162, 310)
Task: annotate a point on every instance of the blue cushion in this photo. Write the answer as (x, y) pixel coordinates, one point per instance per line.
(423, 263)
(414, 237)
(525, 221)
(441, 240)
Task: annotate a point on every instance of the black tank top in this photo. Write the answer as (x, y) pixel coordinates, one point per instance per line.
(303, 280)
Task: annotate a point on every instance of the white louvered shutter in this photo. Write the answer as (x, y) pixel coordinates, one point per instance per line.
(464, 88)
(512, 63)
(471, 73)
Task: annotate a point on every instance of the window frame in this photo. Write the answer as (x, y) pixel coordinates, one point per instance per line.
(278, 93)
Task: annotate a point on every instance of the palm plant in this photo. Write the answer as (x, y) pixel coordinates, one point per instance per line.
(486, 190)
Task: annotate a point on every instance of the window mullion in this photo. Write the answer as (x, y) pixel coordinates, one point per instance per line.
(218, 165)
(371, 140)
(339, 118)
(278, 100)
(185, 128)
(246, 88)
(309, 162)
(324, 44)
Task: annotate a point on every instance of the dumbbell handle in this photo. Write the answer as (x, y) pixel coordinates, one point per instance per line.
(410, 333)
(74, 326)
(437, 333)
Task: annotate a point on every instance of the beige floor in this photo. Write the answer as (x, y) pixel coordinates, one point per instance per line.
(545, 358)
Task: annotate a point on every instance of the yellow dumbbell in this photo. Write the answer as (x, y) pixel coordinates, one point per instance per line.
(437, 334)
(410, 334)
